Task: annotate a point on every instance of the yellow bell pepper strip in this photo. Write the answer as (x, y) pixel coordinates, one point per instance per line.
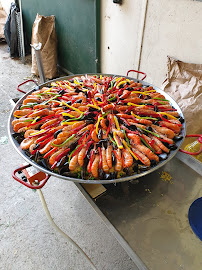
(120, 146)
(119, 84)
(94, 106)
(97, 124)
(168, 115)
(146, 117)
(133, 104)
(68, 123)
(34, 121)
(131, 152)
(75, 109)
(67, 114)
(76, 118)
(116, 123)
(67, 140)
(39, 132)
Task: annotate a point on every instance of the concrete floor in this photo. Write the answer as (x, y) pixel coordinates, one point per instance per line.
(27, 241)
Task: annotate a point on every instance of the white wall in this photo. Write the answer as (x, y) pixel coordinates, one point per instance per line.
(172, 28)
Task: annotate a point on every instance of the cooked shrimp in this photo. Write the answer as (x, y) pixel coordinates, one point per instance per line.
(94, 136)
(127, 158)
(109, 156)
(30, 100)
(94, 168)
(147, 152)
(156, 148)
(144, 159)
(163, 130)
(118, 165)
(49, 122)
(73, 162)
(22, 112)
(160, 144)
(81, 156)
(135, 138)
(46, 148)
(104, 161)
(53, 156)
(40, 106)
(25, 144)
(103, 124)
(171, 126)
(42, 112)
(20, 125)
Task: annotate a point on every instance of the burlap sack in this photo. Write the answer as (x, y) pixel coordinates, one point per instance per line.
(43, 31)
(184, 85)
(3, 17)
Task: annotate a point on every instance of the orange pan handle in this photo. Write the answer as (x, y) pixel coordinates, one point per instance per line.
(36, 181)
(140, 72)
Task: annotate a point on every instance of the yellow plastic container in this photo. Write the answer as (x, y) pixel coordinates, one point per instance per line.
(194, 147)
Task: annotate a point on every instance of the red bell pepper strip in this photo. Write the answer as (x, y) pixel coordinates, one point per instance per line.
(130, 109)
(62, 154)
(50, 152)
(108, 129)
(77, 149)
(125, 121)
(80, 140)
(43, 138)
(42, 119)
(91, 160)
(100, 154)
(89, 136)
(116, 155)
(88, 146)
(41, 145)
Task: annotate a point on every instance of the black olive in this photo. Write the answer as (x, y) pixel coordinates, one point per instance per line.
(73, 146)
(36, 146)
(56, 133)
(92, 109)
(153, 162)
(77, 90)
(135, 167)
(68, 102)
(165, 116)
(113, 159)
(132, 127)
(99, 134)
(101, 174)
(172, 146)
(101, 91)
(107, 122)
(65, 107)
(128, 83)
(108, 176)
(71, 80)
(122, 86)
(103, 143)
(61, 92)
(181, 119)
(98, 99)
(178, 138)
(163, 156)
(78, 101)
(129, 88)
(140, 96)
(61, 162)
(147, 97)
(156, 123)
(149, 128)
(156, 108)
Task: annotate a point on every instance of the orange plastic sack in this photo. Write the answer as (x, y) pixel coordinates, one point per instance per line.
(43, 31)
(184, 85)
